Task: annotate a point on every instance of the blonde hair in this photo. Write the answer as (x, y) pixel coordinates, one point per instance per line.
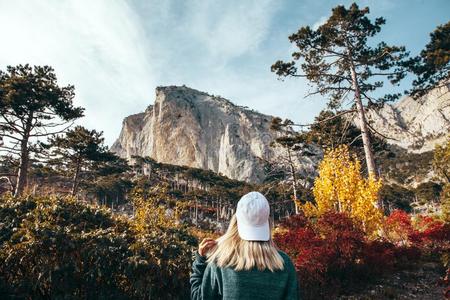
(234, 252)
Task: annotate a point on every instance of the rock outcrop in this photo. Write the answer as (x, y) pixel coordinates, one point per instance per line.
(191, 128)
(416, 125)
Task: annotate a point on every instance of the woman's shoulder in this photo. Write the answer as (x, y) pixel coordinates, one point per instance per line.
(283, 254)
(287, 260)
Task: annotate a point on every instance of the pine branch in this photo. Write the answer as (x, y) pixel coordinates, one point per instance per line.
(9, 150)
(11, 137)
(12, 124)
(380, 134)
(327, 119)
(320, 91)
(355, 139)
(52, 133)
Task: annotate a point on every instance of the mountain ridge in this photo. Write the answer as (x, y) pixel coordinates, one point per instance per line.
(192, 128)
(188, 127)
(416, 125)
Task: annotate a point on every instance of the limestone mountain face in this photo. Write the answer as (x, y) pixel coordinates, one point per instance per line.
(191, 128)
(416, 125)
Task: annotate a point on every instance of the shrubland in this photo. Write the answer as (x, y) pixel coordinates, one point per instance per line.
(58, 248)
(342, 240)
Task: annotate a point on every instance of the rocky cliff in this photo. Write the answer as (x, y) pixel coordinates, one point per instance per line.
(416, 125)
(188, 127)
(192, 128)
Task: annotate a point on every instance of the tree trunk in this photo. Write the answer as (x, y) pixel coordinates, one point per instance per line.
(76, 178)
(294, 181)
(364, 130)
(196, 212)
(23, 169)
(22, 174)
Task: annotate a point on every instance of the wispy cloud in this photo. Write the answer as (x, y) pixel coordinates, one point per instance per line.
(322, 20)
(116, 52)
(230, 30)
(94, 45)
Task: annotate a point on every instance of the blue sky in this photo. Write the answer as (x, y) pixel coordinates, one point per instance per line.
(117, 52)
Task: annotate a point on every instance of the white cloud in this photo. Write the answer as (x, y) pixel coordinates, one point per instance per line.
(116, 53)
(94, 45)
(322, 20)
(230, 29)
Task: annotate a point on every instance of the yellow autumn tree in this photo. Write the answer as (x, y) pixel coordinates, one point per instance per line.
(441, 165)
(154, 207)
(341, 187)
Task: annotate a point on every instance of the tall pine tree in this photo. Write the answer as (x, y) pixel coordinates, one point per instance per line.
(432, 65)
(80, 151)
(339, 61)
(32, 106)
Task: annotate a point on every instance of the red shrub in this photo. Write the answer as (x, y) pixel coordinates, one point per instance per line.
(295, 221)
(400, 218)
(309, 255)
(343, 237)
(437, 236)
(436, 231)
(379, 256)
(332, 253)
(426, 234)
(432, 235)
(325, 254)
(398, 227)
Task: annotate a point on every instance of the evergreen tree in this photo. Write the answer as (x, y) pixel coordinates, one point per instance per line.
(338, 60)
(432, 65)
(293, 144)
(82, 150)
(330, 130)
(441, 162)
(32, 106)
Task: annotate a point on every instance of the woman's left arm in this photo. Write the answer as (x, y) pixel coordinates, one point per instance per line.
(203, 283)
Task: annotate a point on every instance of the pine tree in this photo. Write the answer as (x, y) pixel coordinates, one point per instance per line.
(432, 65)
(441, 166)
(32, 106)
(291, 142)
(441, 161)
(82, 150)
(337, 59)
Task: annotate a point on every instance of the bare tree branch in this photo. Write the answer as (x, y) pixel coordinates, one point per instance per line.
(380, 134)
(327, 119)
(52, 133)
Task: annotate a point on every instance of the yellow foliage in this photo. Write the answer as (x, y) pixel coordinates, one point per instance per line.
(445, 203)
(441, 161)
(441, 165)
(151, 208)
(340, 187)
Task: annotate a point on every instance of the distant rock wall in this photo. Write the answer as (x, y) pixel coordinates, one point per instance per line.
(415, 125)
(191, 128)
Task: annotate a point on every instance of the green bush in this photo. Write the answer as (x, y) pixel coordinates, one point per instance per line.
(397, 196)
(428, 192)
(56, 248)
